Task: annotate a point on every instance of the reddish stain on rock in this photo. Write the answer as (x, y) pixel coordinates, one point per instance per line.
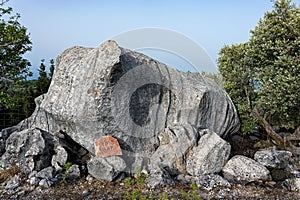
(107, 146)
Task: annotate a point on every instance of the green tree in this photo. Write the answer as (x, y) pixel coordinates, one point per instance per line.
(238, 82)
(262, 75)
(52, 66)
(274, 57)
(15, 93)
(14, 69)
(43, 79)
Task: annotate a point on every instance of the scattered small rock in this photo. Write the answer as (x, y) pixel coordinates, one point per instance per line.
(33, 181)
(203, 156)
(159, 177)
(243, 169)
(210, 181)
(13, 183)
(45, 183)
(89, 178)
(85, 193)
(271, 183)
(292, 184)
(73, 172)
(46, 173)
(106, 168)
(273, 158)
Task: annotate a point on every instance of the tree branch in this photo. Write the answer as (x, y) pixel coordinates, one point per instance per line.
(6, 44)
(3, 2)
(279, 140)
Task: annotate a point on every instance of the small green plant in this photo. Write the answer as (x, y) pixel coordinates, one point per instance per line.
(127, 195)
(191, 194)
(136, 194)
(194, 187)
(128, 182)
(164, 196)
(140, 177)
(65, 172)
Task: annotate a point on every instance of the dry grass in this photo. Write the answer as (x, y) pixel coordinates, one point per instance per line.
(7, 174)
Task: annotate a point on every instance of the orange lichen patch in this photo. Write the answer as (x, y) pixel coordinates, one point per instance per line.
(107, 146)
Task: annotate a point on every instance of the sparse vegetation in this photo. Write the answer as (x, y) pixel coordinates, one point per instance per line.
(65, 173)
(6, 174)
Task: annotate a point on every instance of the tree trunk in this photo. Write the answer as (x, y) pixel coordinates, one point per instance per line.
(279, 140)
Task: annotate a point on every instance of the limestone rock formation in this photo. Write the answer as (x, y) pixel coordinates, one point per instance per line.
(155, 113)
(114, 91)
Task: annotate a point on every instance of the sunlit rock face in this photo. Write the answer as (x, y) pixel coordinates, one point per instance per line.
(155, 114)
(114, 91)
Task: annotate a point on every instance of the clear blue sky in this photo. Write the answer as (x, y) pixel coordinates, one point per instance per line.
(55, 25)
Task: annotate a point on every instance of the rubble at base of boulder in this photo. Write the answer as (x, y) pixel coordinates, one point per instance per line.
(292, 184)
(107, 169)
(202, 159)
(242, 169)
(210, 181)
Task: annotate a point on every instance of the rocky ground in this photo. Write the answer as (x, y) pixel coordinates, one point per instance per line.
(94, 189)
(134, 188)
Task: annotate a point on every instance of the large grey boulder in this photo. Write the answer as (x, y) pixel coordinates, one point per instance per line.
(209, 156)
(115, 91)
(156, 114)
(244, 170)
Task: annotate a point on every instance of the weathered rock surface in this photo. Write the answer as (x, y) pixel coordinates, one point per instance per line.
(210, 181)
(30, 149)
(106, 168)
(159, 177)
(59, 159)
(46, 173)
(111, 90)
(209, 156)
(73, 173)
(292, 184)
(13, 183)
(273, 158)
(155, 113)
(243, 169)
(279, 163)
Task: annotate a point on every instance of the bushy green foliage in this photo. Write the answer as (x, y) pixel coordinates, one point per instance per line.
(265, 71)
(238, 81)
(274, 57)
(17, 93)
(14, 69)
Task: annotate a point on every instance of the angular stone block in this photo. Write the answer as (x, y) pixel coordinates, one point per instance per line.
(107, 146)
